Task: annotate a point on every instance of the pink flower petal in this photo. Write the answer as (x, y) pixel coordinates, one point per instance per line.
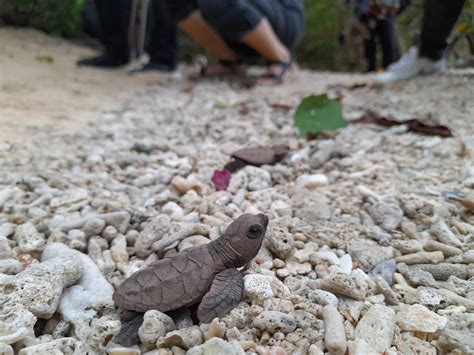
(221, 179)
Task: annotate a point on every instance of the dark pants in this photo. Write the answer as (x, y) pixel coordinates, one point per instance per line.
(163, 43)
(114, 16)
(439, 18)
(384, 32)
(233, 19)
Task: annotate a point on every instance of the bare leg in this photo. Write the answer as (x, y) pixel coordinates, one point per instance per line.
(264, 40)
(198, 29)
(195, 26)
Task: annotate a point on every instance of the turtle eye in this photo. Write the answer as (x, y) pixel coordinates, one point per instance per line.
(254, 232)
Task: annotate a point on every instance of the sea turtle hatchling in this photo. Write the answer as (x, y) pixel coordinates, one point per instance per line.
(206, 275)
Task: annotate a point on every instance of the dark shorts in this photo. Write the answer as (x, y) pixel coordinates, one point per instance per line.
(233, 19)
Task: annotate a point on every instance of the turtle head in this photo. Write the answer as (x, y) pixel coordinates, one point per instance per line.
(245, 235)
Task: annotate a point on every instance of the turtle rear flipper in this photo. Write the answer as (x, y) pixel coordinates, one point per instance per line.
(128, 334)
(225, 293)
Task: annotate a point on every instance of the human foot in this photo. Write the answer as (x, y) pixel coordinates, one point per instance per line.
(410, 66)
(106, 60)
(276, 73)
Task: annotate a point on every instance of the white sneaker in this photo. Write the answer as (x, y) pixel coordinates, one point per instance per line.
(409, 66)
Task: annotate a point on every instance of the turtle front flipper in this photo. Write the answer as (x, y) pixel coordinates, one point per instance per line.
(128, 334)
(225, 293)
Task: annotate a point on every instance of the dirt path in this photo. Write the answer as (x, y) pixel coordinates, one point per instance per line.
(41, 86)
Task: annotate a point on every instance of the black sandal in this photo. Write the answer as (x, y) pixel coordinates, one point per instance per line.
(281, 76)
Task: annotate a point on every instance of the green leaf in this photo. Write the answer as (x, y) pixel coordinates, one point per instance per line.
(316, 114)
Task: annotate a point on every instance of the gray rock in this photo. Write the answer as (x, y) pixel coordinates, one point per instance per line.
(386, 215)
(417, 277)
(94, 226)
(10, 266)
(119, 220)
(441, 231)
(5, 249)
(452, 339)
(385, 269)
(153, 231)
(384, 288)
(326, 150)
(367, 253)
(444, 270)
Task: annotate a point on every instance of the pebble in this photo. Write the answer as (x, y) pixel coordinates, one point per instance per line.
(279, 242)
(385, 269)
(326, 150)
(193, 241)
(447, 250)
(408, 246)
(323, 298)
(258, 286)
(441, 231)
(386, 215)
(57, 346)
(367, 253)
(119, 253)
(345, 285)
(377, 327)
(335, 336)
(10, 266)
(155, 325)
(312, 181)
(217, 346)
(384, 288)
(273, 321)
(94, 226)
(185, 338)
(5, 249)
(29, 239)
(417, 318)
(443, 271)
(6, 349)
(16, 323)
(153, 231)
(119, 350)
(421, 257)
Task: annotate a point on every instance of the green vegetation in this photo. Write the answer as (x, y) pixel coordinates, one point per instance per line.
(62, 18)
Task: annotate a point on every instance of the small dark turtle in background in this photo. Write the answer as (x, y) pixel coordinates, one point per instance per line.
(206, 275)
